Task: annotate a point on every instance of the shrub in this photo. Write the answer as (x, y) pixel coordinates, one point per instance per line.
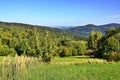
(4, 51)
(46, 59)
(74, 52)
(64, 51)
(110, 49)
(80, 46)
(114, 56)
(12, 51)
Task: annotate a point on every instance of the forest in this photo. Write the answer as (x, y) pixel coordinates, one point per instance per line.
(46, 43)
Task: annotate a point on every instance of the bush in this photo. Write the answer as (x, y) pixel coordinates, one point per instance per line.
(46, 59)
(110, 49)
(12, 51)
(80, 46)
(114, 56)
(74, 52)
(4, 50)
(64, 51)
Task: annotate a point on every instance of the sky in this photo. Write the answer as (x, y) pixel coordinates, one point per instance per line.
(60, 12)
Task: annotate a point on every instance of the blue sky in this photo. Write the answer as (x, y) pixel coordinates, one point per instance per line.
(60, 12)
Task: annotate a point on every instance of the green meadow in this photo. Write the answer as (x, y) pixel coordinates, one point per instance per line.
(76, 72)
(68, 68)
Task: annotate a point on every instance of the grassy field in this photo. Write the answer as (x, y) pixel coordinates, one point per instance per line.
(76, 72)
(69, 59)
(26, 69)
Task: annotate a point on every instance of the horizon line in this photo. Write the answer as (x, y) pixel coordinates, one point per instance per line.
(14, 22)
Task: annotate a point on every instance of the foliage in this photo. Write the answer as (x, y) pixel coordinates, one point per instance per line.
(72, 48)
(63, 51)
(114, 56)
(37, 41)
(109, 44)
(94, 39)
(80, 46)
(5, 50)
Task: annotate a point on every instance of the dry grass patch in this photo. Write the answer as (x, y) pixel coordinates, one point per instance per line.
(17, 69)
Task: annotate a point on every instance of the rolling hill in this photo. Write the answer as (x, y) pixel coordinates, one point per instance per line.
(59, 32)
(85, 30)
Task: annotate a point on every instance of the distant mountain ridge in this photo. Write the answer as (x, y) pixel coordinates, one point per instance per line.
(85, 30)
(78, 31)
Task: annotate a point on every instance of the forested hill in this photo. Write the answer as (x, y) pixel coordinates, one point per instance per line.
(58, 32)
(39, 41)
(85, 30)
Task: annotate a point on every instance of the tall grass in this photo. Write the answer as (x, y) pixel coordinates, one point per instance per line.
(17, 69)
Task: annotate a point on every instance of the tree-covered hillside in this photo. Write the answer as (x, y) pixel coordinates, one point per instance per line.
(56, 31)
(39, 41)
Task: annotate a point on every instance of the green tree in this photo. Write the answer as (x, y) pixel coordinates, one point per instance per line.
(64, 51)
(111, 45)
(94, 38)
(48, 45)
(80, 46)
(108, 43)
